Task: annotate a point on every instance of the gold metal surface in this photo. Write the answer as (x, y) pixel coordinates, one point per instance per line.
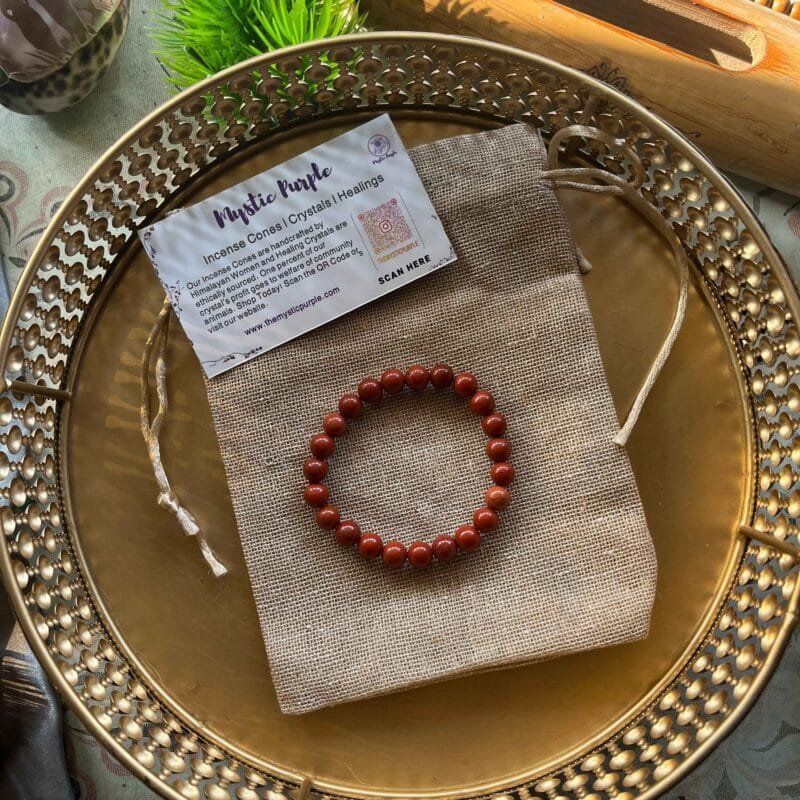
(165, 663)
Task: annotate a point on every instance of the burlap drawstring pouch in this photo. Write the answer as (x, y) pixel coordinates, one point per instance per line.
(572, 565)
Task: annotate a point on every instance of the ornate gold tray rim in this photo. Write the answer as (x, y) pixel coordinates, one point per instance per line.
(734, 556)
(620, 101)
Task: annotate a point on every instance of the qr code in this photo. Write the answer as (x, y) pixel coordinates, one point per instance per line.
(386, 226)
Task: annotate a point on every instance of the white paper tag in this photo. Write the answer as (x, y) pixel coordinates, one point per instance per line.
(297, 246)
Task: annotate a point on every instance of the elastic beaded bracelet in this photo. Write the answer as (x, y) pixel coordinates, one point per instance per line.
(444, 547)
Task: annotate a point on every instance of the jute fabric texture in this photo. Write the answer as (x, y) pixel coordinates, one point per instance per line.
(572, 565)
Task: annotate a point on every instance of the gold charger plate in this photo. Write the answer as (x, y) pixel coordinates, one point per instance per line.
(165, 664)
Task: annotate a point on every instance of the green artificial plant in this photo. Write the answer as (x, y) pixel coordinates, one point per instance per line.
(197, 38)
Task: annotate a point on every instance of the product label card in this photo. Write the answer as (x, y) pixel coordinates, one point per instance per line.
(297, 246)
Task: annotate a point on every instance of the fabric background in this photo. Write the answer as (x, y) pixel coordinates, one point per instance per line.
(41, 158)
(500, 311)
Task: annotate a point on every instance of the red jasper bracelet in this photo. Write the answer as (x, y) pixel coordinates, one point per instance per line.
(371, 390)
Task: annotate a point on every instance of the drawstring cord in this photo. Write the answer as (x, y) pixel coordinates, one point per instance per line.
(156, 345)
(610, 184)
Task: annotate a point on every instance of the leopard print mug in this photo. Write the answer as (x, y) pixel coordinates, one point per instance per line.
(53, 53)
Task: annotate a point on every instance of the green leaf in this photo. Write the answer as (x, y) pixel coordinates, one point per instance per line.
(196, 38)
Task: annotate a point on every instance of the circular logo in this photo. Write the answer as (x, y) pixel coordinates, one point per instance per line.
(378, 144)
(385, 225)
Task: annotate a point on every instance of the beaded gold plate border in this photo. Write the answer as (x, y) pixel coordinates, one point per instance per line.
(183, 140)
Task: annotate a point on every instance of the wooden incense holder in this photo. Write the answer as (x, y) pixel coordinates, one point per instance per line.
(724, 72)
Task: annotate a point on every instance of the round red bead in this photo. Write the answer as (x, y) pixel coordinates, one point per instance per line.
(370, 546)
(348, 532)
(485, 519)
(444, 547)
(328, 517)
(334, 424)
(494, 424)
(467, 538)
(315, 469)
(465, 384)
(481, 403)
(417, 377)
(420, 554)
(370, 390)
(498, 449)
(497, 498)
(322, 445)
(316, 494)
(393, 381)
(394, 554)
(350, 405)
(503, 473)
(441, 376)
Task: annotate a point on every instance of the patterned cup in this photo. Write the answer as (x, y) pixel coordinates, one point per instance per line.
(53, 52)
